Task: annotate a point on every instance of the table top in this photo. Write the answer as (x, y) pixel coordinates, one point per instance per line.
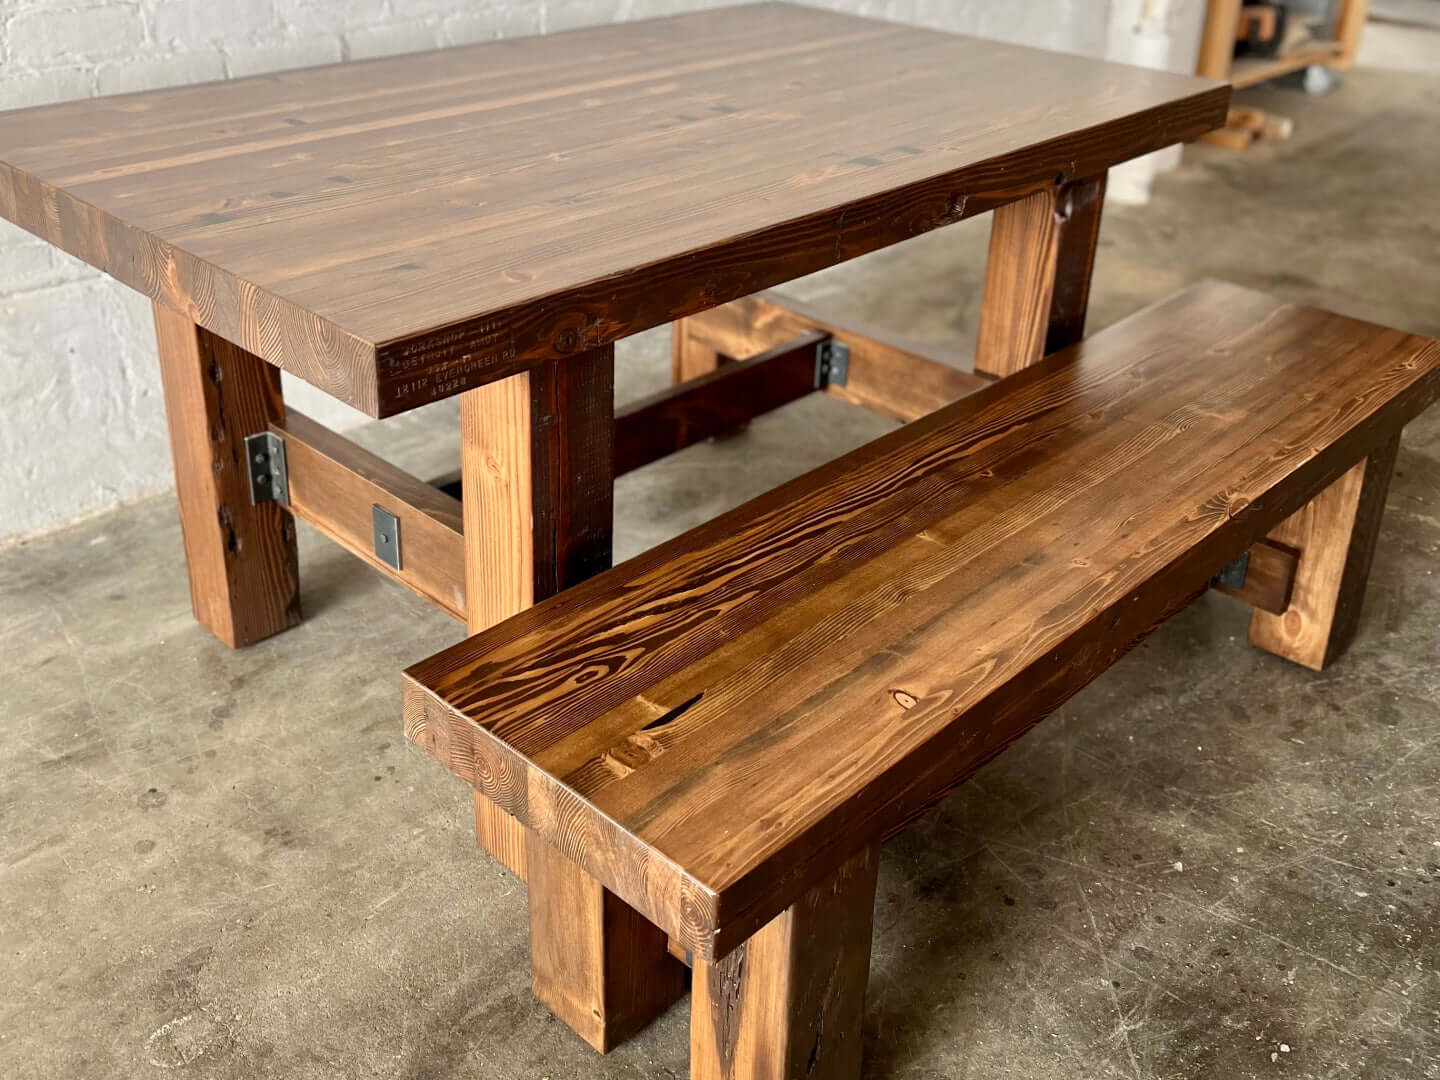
(398, 230)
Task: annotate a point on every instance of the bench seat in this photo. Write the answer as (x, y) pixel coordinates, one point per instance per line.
(717, 727)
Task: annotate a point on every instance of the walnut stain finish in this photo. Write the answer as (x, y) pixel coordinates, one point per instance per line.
(536, 463)
(497, 484)
(400, 230)
(952, 582)
(691, 357)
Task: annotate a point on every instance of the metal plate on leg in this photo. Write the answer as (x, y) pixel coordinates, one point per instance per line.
(387, 536)
(832, 363)
(265, 464)
(1233, 576)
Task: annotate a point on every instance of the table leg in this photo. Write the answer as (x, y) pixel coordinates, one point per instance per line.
(244, 577)
(1349, 26)
(1217, 40)
(689, 358)
(1335, 535)
(537, 472)
(537, 475)
(1037, 282)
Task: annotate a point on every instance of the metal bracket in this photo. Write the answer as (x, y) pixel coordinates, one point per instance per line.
(387, 536)
(832, 363)
(265, 464)
(1233, 576)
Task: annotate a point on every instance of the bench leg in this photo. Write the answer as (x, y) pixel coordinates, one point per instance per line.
(789, 1003)
(598, 965)
(1037, 280)
(244, 574)
(538, 483)
(1335, 535)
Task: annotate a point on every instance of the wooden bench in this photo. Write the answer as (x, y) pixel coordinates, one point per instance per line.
(708, 744)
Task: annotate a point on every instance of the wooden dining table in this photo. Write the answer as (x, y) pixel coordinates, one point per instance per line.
(487, 221)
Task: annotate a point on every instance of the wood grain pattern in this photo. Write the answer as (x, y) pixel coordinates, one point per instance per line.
(788, 1004)
(242, 562)
(1335, 535)
(1269, 577)
(952, 583)
(403, 229)
(595, 963)
(496, 481)
(537, 464)
(538, 451)
(889, 374)
(573, 469)
(333, 485)
(714, 404)
(1037, 280)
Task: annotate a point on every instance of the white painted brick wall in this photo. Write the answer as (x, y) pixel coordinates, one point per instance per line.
(81, 422)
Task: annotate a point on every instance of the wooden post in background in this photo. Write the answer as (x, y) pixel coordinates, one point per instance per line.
(1037, 280)
(244, 573)
(537, 467)
(1335, 534)
(1349, 26)
(1217, 40)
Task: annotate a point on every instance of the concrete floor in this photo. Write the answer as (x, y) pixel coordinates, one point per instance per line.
(1209, 864)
